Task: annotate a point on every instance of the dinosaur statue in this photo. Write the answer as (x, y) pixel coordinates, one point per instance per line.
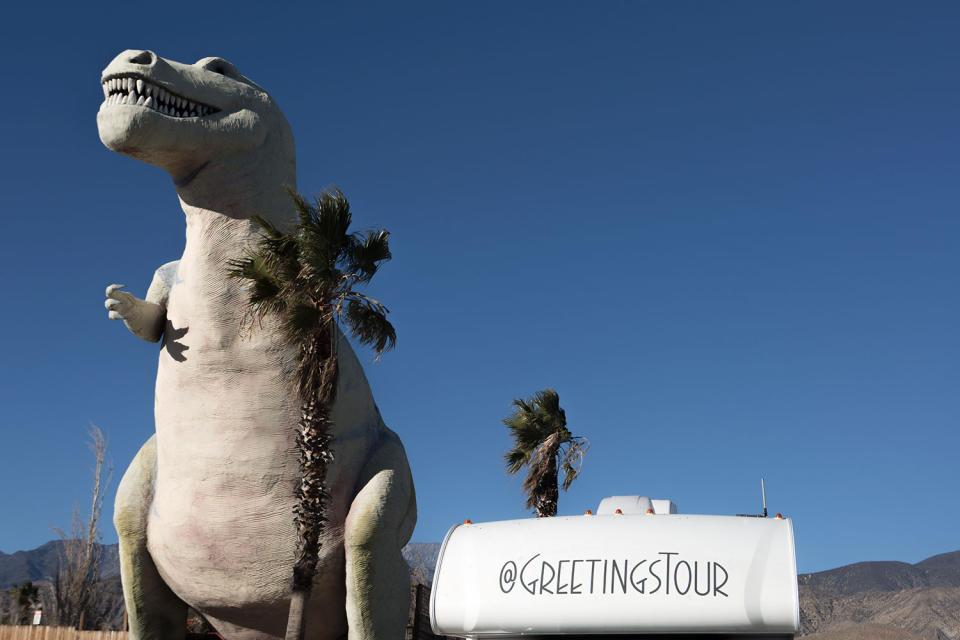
(204, 512)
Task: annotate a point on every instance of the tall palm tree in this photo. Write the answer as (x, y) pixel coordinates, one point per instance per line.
(308, 278)
(543, 444)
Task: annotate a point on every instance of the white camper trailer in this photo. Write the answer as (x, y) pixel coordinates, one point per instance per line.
(636, 568)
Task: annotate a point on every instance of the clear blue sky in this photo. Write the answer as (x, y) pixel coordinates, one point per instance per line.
(727, 233)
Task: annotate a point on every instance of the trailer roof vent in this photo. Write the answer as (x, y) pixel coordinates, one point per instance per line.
(631, 505)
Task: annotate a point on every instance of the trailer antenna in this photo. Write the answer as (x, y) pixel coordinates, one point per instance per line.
(763, 494)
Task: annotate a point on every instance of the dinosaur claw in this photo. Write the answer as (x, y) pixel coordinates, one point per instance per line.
(112, 289)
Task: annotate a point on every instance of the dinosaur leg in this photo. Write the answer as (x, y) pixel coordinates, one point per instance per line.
(379, 523)
(153, 611)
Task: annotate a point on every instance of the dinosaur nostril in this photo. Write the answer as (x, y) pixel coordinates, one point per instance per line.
(144, 58)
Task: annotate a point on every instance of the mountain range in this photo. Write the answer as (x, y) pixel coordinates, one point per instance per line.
(937, 571)
(883, 601)
(40, 564)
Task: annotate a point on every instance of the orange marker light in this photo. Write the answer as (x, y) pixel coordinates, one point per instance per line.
(778, 517)
(649, 510)
(588, 512)
(467, 521)
(618, 512)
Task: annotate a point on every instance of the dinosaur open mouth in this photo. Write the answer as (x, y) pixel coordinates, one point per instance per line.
(135, 90)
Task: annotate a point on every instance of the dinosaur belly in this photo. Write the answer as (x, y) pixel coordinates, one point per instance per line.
(221, 528)
(226, 477)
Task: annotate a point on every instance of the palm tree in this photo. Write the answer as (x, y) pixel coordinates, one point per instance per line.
(542, 443)
(307, 278)
(26, 597)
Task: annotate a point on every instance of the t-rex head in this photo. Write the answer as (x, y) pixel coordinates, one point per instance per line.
(202, 121)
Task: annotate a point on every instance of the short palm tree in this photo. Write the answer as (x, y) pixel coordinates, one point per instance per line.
(25, 598)
(543, 444)
(308, 279)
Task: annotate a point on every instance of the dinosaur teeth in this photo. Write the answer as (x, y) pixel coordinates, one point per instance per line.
(139, 91)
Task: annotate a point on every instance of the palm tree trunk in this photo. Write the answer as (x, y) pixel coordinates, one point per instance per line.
(313, 440)
(297, 619)
(314, 437)
(547, 494)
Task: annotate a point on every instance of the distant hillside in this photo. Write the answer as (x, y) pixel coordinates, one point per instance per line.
(943, 569)
(939, 571)
(40, 564)
(854, 631)
(883, 600)
(929, 612)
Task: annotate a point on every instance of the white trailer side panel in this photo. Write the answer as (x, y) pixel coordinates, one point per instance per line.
(617, 574)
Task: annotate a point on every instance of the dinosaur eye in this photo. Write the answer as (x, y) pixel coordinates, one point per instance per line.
(218, 65)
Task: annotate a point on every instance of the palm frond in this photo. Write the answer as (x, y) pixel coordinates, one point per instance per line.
(333, 214)
(572, 459)
(264, 288)
(516, 459)
(275, 252)
(266, 226)
(303, 321)
(366, 252)
(252, 266)
(527, 436)
(324, 238)
(548, 407)
(304, 210)
(326, 230)
(368, 323)
(529, 424)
